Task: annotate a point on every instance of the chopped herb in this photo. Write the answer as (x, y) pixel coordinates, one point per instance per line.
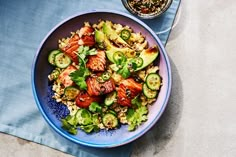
(79, 76)
(82, 119)
(95, 107)
(124, 71)
(136, 102)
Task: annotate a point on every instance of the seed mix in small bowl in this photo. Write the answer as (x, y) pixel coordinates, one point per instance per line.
(147, 9)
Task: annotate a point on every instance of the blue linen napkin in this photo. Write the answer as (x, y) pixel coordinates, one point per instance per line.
(23, 25)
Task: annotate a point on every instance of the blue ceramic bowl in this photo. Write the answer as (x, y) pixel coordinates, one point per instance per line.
(41, 69)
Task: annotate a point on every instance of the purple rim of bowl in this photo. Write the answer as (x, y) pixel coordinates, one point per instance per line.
(163, 106)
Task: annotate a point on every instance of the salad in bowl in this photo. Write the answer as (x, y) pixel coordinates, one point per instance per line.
(104, 73)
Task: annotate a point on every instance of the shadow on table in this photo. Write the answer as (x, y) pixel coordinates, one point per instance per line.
(180, 22)
(156, 139)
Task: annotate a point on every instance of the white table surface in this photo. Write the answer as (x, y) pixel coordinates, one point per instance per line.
(200, 120)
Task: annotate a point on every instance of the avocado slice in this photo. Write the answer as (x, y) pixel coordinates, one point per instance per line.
(112, 35)
(102, 41)
(102, 37)
(111, 49)
(148, 56)
(99, 39)
(99, 36)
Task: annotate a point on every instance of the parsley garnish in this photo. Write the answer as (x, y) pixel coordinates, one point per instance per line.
(79, 76)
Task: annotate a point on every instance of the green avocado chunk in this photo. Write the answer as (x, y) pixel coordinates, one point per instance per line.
(102, 39)
(148, 56)
(99, 36)
(111, 34)
(108, 34)
(111, 49)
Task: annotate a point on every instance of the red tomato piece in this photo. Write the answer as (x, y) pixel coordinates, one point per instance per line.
(83, 100)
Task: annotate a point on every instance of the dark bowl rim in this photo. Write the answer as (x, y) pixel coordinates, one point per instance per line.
(126, 5)
(69, 137)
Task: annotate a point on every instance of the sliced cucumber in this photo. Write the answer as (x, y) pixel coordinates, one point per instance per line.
(148, 92)
(110, 121)
(70, 93)
(110, 98)
(51, 56)
(153, 81)
(62, 60)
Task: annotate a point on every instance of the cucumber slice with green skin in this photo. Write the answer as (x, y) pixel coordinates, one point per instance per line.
(54, 74)
(62, 60)
(70, 93)
(110, 98)
(148, 92)
(110, 121)
(153, 81)
(51, 56)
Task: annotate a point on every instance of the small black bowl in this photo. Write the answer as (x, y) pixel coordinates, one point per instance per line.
(146, 16)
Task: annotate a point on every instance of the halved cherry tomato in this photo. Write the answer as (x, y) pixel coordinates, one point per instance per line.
(83, 100)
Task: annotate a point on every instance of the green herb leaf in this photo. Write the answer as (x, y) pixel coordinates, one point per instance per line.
(124, 71)
(136, 102)
(80, 81)
(130, 113)
(80, 49)
(87, 128)
(136, 117)
(92, 52)
(79, 77)
(85, 51)
(72, 129)
(95, 107)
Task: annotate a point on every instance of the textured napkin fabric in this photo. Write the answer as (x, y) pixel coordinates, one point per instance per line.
(23, 25)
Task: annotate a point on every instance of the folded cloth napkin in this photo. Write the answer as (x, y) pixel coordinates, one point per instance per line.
(24, 23)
